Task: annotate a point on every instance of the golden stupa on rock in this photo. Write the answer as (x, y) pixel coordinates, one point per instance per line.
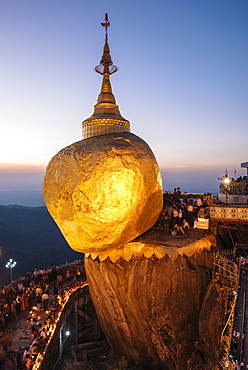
(106, 189)
(106, 118)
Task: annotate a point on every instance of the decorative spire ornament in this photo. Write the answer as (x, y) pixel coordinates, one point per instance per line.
(106, 118)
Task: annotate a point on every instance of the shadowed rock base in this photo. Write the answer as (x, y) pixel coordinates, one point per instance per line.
(151, 309)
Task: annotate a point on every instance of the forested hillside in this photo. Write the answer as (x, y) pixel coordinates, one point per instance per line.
(30, 237)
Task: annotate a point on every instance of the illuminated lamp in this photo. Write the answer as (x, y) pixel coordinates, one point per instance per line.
(227, 180)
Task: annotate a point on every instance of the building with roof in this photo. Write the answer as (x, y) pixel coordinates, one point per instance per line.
(234, 191)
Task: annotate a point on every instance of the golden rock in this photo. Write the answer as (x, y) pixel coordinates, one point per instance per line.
(103, 191)
(106, 189)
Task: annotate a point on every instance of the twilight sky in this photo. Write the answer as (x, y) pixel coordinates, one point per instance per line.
(182, 83)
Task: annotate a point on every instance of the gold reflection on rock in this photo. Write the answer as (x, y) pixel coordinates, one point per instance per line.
(103, 191)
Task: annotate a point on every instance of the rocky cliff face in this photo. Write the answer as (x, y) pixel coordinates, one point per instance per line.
(155, 311)
(212, 320)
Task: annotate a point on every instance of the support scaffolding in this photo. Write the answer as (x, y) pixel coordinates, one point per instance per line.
(226, 268)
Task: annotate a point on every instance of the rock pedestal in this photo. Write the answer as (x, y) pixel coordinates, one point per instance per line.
(149, 308)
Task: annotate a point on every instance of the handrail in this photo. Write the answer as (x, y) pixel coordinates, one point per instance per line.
(38, 362)
(243, 319)
(22, 278)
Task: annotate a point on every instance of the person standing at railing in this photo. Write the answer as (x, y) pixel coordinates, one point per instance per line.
(38, 291)
(45, 298)
(67, 275)
(190, 214)
(174, 219)
(38, 301)
(55, 290)
(13, 310)
(60, 280)
(198, 205)
(18, 305)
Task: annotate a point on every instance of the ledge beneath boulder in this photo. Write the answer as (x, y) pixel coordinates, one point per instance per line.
(155, 242)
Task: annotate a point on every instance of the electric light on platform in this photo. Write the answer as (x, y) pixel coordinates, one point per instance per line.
(227, 180)
(10, 265)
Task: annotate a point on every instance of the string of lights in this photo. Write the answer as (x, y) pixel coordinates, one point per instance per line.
(53, 326)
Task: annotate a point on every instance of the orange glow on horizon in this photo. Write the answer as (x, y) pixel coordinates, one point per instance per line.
(20, 168)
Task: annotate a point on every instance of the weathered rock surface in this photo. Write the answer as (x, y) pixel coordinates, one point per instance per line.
(212, 319)
(151, 309)
(103, 191)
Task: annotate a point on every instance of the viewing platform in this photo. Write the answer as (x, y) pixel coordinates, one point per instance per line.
(69, 334)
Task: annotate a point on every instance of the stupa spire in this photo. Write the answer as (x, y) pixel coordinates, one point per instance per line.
(106, 117)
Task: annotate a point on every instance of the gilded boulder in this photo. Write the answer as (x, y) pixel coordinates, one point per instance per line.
(103, 191)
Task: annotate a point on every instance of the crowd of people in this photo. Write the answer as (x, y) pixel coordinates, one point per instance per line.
(232, 364)
(41, 291)
(180, 211)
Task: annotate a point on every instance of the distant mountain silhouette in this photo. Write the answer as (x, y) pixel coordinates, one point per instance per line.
(30, 237)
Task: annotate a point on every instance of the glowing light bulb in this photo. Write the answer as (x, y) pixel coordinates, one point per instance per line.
(227, 180)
